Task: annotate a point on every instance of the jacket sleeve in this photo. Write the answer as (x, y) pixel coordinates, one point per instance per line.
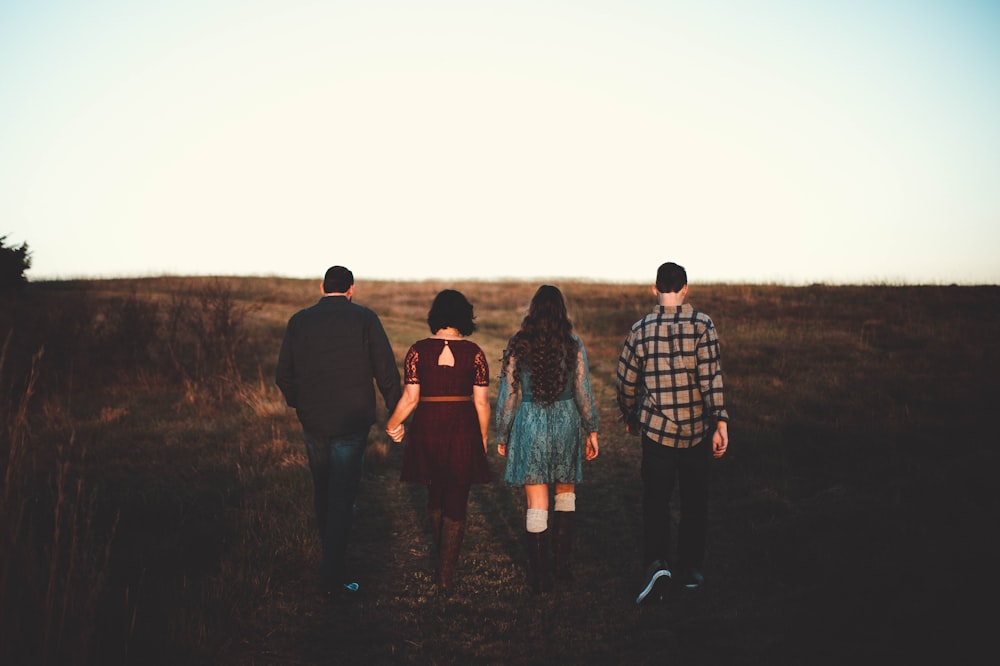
(285, 372)
(383, 364)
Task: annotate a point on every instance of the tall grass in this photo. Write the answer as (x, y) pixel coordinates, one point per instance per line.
(125, 376)
(156, 502)
(53, 559)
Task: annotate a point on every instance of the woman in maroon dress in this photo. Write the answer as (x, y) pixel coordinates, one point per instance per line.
(446, 384)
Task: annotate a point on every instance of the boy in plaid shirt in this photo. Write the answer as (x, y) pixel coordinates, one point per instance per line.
(670, 392)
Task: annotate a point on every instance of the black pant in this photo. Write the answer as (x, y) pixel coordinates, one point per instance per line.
(662, 467)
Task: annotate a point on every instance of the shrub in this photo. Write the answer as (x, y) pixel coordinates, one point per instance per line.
(14, 262)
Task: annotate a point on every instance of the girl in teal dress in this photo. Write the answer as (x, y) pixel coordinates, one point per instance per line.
(546, 424)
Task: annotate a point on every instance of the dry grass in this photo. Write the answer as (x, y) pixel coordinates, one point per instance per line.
(156, 503)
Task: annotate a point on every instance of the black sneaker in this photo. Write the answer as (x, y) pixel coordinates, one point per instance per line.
(691, 578)
(656, 578)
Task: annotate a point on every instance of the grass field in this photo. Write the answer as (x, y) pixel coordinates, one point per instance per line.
(156, 505)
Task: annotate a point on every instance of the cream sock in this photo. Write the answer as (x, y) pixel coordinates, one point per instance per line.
(566, 502)
(537, 520)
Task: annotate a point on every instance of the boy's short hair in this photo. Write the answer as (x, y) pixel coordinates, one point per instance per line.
(670, 278)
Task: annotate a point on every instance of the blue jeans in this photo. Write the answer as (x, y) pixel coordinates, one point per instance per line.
(336, 464)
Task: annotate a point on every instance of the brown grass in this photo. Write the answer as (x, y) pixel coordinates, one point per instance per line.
(156, 502)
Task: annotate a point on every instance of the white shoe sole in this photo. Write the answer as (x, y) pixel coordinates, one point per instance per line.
(651, 584)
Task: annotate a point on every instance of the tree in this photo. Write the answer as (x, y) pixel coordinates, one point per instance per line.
(14, 261)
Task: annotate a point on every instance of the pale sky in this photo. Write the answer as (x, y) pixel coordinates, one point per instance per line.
(847, 141)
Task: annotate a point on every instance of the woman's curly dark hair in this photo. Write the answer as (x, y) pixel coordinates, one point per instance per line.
(544, 346)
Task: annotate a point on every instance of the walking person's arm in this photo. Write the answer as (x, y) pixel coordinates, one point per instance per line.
(583, 396)
(284, 375)
(507, 402)
(628, 377)
(481, 398)
(383, 364)
(407, 403)
(710, 380)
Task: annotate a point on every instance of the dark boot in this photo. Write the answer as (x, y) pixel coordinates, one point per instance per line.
(434, 524)
(434, 527)
(452, 534)
(540, 557)
(562, 526)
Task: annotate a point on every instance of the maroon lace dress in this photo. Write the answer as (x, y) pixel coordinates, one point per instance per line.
(444, 444)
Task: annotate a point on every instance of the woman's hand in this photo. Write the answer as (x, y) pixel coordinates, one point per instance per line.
(502, 449)
(396, 434)
(592, 447)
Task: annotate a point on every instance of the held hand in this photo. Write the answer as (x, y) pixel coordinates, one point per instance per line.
(720, 439)
(396, 434)
(502, 450)
(592, 447)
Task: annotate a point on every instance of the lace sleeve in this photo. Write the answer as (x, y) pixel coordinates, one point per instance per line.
(410, 367)
(582, 394)
(482, 377)
(507, 399)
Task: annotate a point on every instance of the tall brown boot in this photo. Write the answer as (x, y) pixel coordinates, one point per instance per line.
(562, 527)
(540, 556)
(452, 534)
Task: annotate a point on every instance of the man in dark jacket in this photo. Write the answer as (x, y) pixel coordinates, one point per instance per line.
(330, 356)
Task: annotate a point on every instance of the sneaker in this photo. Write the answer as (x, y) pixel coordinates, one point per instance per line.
(692, 579)
(656, 577)
(338, 592)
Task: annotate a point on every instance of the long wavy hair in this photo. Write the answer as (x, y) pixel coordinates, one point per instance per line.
(544, 345)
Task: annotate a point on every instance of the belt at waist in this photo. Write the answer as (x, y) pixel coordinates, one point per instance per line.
(446, 398)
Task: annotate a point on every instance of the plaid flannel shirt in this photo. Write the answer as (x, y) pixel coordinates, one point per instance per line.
(670, 376)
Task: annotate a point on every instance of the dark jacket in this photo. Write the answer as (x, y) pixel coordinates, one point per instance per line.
(330, 354)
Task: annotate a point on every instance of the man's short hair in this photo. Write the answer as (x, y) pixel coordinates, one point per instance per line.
(337, 280)
(670, 278)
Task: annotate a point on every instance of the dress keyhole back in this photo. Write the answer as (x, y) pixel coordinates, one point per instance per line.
(446, 357)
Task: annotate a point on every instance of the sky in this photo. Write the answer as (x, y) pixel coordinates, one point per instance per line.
(777, 141)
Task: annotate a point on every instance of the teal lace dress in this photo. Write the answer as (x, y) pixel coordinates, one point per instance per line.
(545, 443)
